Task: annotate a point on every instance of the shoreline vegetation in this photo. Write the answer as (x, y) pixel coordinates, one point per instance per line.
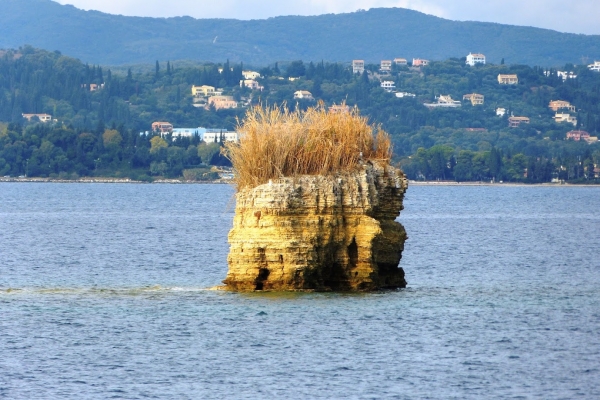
(230, 182)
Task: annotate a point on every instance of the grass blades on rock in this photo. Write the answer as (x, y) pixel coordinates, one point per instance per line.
(275, 142)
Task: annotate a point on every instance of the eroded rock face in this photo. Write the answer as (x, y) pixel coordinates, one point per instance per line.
(320, 233)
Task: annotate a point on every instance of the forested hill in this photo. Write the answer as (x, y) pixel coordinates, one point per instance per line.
(372, 35)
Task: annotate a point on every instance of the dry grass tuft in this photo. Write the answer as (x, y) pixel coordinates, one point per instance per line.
(277, 143)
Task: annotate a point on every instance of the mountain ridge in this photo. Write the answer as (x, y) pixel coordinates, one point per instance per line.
(379, 33)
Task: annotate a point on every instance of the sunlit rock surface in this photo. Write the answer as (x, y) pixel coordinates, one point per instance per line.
(320, 233)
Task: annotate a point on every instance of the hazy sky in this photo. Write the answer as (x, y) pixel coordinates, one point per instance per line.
(577, 16)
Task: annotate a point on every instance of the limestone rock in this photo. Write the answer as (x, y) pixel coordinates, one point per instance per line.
(320, 233)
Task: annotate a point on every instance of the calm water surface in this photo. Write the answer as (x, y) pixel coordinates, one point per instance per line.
(103, 294)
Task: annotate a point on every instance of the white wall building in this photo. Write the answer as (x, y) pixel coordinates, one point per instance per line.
(358, 66)
(476, 58)
(215, 136)
(595, 66)
(388, 86)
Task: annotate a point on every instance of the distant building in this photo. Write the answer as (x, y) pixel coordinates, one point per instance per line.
(303, 95)
(476, 130)
(385, 66)
(565, 117)
(388, 86)
(514, 122)
(222, 102)
(220, 135)
(444, 102)
(473, 59)
(595, 66)
(250, 84)
(500, 112)
(358, 66)
(204, 90)
(188, 132)
(556, 105)
(578, 135)
(474, 98)
(400, 61)
(566, 75)
(41, 117)
(162, 127)
(339, 108)
(405, 94)
(508, 79)
(250, 75)
(417, 62)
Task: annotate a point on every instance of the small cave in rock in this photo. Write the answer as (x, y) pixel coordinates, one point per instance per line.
(263, 275)
(353, 254)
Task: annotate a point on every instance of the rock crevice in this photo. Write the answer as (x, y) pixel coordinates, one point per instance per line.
(320, 233)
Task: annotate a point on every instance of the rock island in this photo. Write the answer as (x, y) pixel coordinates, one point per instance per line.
(329, 227)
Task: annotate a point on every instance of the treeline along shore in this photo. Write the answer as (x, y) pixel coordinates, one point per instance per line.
(449, 121)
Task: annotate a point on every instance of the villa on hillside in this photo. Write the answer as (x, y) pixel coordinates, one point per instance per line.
(400, 61)
(385, 66)
(474, 98)
(221, 102)
(511, 79)
(473, 59)
(219, 135)
(565, 117)
(41, 117)
(595, 66)
(303, 95)
(500, 111)
(417, 62)
(556, 105)
(339, 108)
(444, 101)
(358, 66)
(162, 127)
(388, 86)
(204, 90)
(514, 122)
(250, 75)
(401, 95)
(250, 84)
(578, 135)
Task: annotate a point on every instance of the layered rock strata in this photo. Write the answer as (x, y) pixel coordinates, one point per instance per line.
(320, 233)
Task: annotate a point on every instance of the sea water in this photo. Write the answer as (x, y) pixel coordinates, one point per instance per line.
(105, 293)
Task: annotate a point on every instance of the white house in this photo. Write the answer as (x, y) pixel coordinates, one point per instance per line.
(385, 66)
(595, 66)
(565, 117)
(388, 86)
(251, 84)
(215, 136)
(188, 132)
(405, 94)
(41, 117)
(358, 66)
(400, 61)
(476, 58)
(250, 74)
(444, 101)
(500, 111)
(303, 95)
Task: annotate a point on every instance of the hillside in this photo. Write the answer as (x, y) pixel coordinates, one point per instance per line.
(372, 35)
(99, 116)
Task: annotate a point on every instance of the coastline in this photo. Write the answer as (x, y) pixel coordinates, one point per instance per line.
(496, 184)
(110, 180)
(228, 181)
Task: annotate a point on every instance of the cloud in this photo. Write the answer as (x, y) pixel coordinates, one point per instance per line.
(577, 16)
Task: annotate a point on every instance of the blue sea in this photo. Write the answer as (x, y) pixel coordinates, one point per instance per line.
(105, 292)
